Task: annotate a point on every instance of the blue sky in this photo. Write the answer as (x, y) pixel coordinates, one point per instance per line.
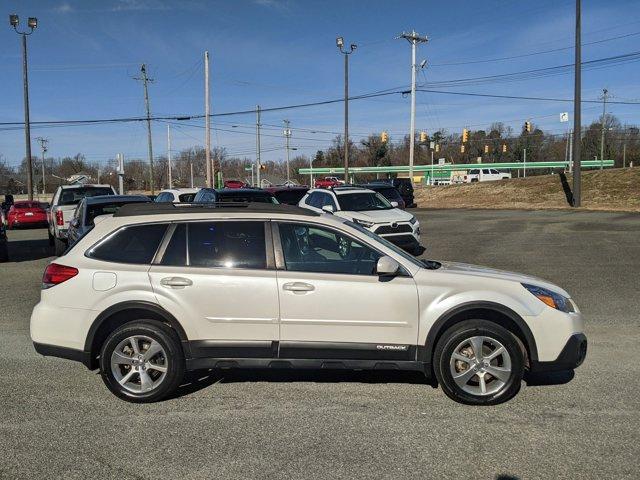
(281, 52)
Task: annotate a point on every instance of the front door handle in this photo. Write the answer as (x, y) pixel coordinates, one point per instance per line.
(176, 282)
(298, 287)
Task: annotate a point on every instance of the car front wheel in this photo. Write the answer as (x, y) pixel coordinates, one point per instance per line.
(478, 362)
(142, 361)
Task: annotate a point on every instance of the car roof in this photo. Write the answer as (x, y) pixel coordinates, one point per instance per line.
(180, 190)
(86, 185)
(223, 209)
(286, 188)
(98, 199)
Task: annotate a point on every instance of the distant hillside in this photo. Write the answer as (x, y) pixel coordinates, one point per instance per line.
(613, 189)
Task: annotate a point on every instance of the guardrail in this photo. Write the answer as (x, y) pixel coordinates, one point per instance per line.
(456, 166)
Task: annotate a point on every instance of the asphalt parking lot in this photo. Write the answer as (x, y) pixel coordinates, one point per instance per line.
(58, 420)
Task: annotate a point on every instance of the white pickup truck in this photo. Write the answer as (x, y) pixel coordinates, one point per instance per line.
(485, 175)
(64, 203)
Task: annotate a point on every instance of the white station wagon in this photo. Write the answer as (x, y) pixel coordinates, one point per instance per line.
(160, 289)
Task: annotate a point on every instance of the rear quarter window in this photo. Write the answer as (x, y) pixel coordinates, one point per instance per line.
(131, 244)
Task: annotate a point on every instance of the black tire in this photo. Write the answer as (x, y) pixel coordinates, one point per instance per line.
(50, 238)
(457, 334)
(60, 246)
(4, 252)
(474, 180)
(174, 360)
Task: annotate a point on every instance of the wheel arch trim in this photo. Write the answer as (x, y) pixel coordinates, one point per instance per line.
(134, 305)
(426, 352)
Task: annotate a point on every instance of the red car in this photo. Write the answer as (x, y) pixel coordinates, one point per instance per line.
(234, 184)
(26, 213)
(328, 182)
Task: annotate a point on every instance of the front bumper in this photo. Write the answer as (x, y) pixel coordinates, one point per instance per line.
(572, 355)
(406, 242)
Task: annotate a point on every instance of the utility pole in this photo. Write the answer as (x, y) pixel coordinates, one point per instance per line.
(145, 80)
(624, 154)
(346, 53)
(577, 128)
(207, 124)
(32, 23)
(120, 159)
(191, 167)
(413, 38)
(604, 124)
(524, 163)
(43, 146)
(169, 155)
(258, 164)
(287, 136)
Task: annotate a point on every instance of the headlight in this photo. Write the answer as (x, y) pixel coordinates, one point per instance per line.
(413, 220)
(552, 299)
(364, 223)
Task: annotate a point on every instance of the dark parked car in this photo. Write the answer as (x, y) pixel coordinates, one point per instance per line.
(288, 195)
(240, 195)
(4, 249)
(388, 191)
(406, 191)
(91, 207)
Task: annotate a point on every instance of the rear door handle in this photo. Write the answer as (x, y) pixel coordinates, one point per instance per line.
(176, 282)
(298, 287)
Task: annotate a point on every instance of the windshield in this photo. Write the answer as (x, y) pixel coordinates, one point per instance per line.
(363, 201)
(186, 197)
(389, 193)
(410, 258)
(72, 196)
(94, 211)
(290, 197)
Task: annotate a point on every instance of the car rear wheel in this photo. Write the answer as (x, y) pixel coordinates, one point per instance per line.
(142, 361)
(478, 362)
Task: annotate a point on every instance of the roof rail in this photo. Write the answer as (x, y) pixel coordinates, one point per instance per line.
(166, 208)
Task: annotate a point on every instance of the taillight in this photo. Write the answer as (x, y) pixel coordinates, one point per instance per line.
(59, 218)
(55, 274)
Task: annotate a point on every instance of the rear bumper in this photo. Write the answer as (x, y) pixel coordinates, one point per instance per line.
(63, 352)
(571, 356)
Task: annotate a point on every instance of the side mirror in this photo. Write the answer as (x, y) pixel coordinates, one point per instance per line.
(394, 204)
(328, 208)
(387, 266)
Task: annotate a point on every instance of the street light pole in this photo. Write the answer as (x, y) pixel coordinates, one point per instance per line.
(604, 115)
(32, 23)
(43, 145)
(346, 53)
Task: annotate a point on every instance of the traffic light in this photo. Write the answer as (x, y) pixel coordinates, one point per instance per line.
(465, 135)
(504, 148)
(461, 148)
(527, 127)
(486, 149)
(384, 137)
(423, 137)
(437, 147)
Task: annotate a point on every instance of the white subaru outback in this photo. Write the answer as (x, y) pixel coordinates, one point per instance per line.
(157, 290)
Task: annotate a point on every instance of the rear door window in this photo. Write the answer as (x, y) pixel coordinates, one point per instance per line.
(226, 245)
(132, 244)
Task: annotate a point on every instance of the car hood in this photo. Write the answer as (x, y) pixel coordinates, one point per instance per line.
(377, 216)
(486, 272)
